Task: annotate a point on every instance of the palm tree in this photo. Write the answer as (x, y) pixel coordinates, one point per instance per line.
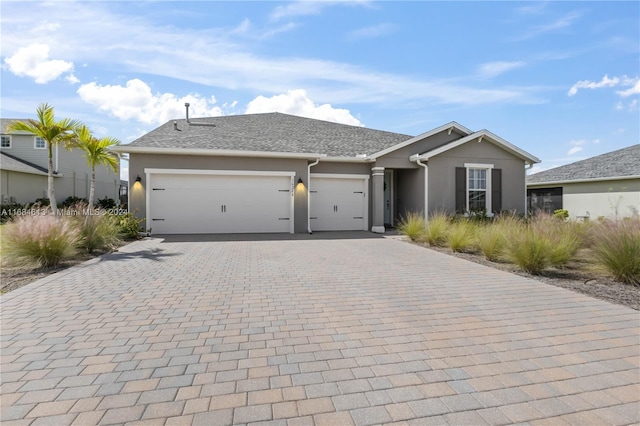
(97, 153)
(53, 132)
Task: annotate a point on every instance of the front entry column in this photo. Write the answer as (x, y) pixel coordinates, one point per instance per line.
(377, 199)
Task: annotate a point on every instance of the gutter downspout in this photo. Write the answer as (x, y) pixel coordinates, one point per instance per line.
(309, 166)
(426, 188)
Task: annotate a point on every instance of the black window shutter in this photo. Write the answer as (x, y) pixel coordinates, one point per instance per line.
(496, 190)
(461, 189)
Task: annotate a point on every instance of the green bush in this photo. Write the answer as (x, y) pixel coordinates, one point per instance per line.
(129, 226)
(73, 201)
(106, 203)
(39, 240)
(561, 214)
(461, 235)
(490, 240)
(435, 232)
(413, 226)
(99, 232)
(616, 248)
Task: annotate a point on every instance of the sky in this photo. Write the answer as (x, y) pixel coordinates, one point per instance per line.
(558, 79)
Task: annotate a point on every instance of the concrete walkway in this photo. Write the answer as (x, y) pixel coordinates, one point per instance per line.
(314, 330)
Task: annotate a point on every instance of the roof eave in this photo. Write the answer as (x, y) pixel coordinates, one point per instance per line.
(215, 152)
(585, 180)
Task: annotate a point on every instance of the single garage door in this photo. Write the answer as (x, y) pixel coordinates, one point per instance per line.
(206, 202)
(338, 202)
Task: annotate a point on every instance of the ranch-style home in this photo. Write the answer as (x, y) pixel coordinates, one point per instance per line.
(604, 186)
(274, 172)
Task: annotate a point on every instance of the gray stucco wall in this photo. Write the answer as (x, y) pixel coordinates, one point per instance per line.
(442, 175)
(409, 192)
(399, 159)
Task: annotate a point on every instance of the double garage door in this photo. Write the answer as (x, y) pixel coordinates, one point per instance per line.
(215, 202)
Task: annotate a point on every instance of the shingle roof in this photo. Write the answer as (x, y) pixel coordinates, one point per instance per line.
(9, 162)
(620, 163)
(270, 132)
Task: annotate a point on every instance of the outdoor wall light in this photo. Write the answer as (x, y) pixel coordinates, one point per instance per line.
(138, 179)
(300, 181)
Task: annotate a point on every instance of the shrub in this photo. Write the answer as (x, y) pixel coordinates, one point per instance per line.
(99, 232)
(461, 235)
(73, 201)
(561, 214)
(435, 232)
(106, 203)
(41, 241)
(616, 248)
(129, 226)
(413, 226)
(490, 240)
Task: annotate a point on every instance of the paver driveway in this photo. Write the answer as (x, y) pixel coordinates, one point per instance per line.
(312, 330)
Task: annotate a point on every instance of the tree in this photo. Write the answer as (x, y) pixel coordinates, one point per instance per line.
(97, 153)
(53, 132)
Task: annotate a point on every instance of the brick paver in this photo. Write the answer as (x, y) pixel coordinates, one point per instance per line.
(327, 329)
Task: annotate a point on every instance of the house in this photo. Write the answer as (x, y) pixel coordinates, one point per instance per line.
(276, 172)
(607, 185)
(24, 162)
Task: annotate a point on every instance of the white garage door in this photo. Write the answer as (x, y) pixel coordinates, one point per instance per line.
(205, 202)
(338, 202)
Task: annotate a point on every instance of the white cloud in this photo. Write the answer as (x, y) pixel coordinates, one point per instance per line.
(135, 101)
(371, 32)
(608, 82)
(296, 102)
(33, 61)
(72, 79)
(564, 22)
(218, 57)
(635, 90)
(493, 69)
(577, 146)
(309, 7)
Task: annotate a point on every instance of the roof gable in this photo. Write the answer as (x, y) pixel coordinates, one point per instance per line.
(480, 136)
(621, 163)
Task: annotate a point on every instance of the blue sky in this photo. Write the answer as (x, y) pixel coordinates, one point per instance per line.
(558, 79)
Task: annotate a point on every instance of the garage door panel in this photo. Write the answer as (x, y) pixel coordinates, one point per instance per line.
(220, 203)
(338, 204)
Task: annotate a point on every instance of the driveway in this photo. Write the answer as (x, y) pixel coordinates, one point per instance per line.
(316, 329)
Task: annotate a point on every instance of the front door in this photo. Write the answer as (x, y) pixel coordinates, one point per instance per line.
(388, 197)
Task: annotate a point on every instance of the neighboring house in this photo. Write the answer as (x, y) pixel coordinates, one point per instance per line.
(276, 172)
(607, 185)
(24, 162)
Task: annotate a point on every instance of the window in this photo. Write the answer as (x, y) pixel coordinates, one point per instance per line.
(39, 143)
(5, 142)
(478, 189)
(544, 199)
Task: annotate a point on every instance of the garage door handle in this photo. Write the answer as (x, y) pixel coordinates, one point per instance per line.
(157, 219)
(283, 218)
(158, 189)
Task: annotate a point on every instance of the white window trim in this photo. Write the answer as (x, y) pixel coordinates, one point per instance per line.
(488, 189)
(35, 143)
(10, 142)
